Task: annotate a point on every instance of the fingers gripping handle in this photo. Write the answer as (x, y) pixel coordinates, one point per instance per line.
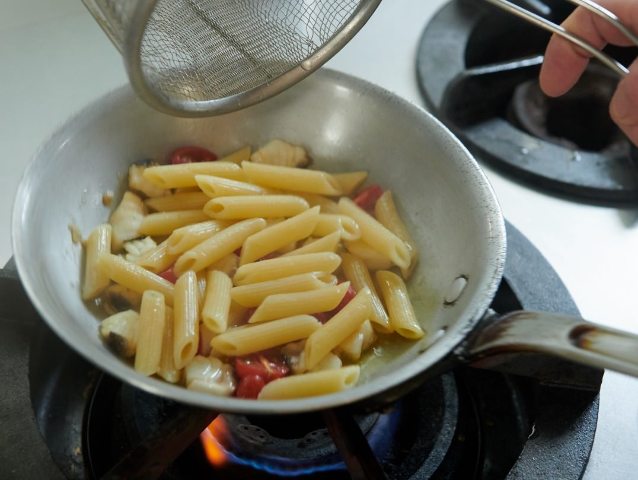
(570, 338)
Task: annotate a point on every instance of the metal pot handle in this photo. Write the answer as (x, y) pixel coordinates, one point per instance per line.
(571, 338)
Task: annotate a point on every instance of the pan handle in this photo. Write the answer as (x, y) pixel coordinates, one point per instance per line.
(567, 337)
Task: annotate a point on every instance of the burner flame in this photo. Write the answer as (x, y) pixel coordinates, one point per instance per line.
(215, 452)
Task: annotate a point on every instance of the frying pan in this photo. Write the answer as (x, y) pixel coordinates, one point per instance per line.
(346, 124)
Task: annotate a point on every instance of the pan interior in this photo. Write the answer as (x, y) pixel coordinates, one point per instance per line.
(345, 124)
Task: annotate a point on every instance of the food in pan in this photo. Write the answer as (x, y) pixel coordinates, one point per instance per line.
(251, 275)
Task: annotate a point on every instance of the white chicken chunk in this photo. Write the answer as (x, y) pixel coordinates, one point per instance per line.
(210, 375)
(126, 220)
(280, 153)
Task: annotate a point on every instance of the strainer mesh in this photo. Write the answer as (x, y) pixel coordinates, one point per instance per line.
(201, 50)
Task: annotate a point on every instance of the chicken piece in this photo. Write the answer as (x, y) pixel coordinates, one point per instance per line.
(137, 182)
(278, 152)
(117, 298)
(210, 375)
(119, 332)
(126, 220)
(136, 248)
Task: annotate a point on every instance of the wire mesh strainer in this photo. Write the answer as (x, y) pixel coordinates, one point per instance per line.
(205, 57)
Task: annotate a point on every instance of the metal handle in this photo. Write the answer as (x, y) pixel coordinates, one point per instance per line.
(593, 7)
(563, 336)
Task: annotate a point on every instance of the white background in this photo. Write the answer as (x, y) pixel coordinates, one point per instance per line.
(54, 59)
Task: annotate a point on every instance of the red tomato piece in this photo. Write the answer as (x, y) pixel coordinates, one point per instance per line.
(367, 197)
(350, 294)
(258, 364)
(323, 317)
(190, 154)
(250, 386)
(169, 274)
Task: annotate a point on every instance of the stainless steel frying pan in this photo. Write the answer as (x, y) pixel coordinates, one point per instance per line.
(346, 124)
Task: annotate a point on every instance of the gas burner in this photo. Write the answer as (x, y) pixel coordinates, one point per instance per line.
(478, 71)
(67, 419)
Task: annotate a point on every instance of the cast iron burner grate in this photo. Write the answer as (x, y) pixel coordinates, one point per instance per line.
(66, 419)
(478, 69)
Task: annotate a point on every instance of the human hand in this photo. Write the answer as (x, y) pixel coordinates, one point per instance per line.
(564, 62)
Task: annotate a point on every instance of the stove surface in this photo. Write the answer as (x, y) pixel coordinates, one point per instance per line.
(56, 60)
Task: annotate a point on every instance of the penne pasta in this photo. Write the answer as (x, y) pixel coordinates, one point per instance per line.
(291, 179)
(386, 212)
(329, 362)
(187, 237)
(350, 181)
(214, 187)
(357, 273)
(98, 244)
(338, 328)
(183, 175)
(277, 236)
(329, 243)
(185, 319)
(280, 267)
(395, 295)
(217, 301)
(325, 204)
(157, 259)
(250, 339)
(311, 384)
(288, 304)
(376, 235)
(250, 206)
(163, 223)
(178, 201)
(167, 369)
(218, 246)
(373, 259)
(253, 294)
(329, 223)
(238, 156)
(134, 277)
(227, 264)
(353, 347)
(150, 333)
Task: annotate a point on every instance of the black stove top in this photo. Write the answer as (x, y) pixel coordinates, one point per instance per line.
(63, 418)
(478, 69)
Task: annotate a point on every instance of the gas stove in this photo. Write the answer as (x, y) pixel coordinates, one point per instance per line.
(58, 60)
(67, 419)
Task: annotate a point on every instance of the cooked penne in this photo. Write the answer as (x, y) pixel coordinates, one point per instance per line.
(280, 267)
(150, 333)
(311, 384)
(251, 206)
(395, 296)
(167, 369)
(218, 246)
(135, 277)
(328, 243)
(386, 212)
(98, 244)
(217, 301)
(157, 259)
(288, 304)
(187, 237)
(373, 259)
(356, 271)
(185, 319)
(291, 179)
(338, 328)
(255, 338)
(253, 294)
(214, 187)
(178, 201)
(376, 235)
(163, 223)
(227, 264)
(353, 347)
(329, 362)
(329, 223)
(277, 236)
(325, 204)
(350, 181)
(183, 175)
(238, 156)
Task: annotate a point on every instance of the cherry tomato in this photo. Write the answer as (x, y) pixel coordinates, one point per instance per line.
(258, 364)
(367, 197)
(169, 274)
(250, 386)
(323, 317)
(190, 154)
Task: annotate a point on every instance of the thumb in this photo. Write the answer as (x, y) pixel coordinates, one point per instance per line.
(623, 107)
